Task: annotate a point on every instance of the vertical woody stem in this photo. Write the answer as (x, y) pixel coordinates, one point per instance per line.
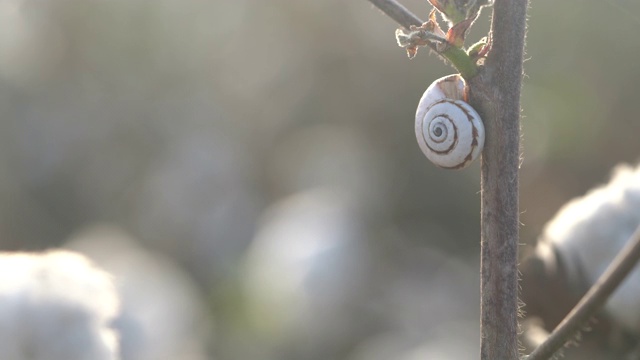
(495, 93)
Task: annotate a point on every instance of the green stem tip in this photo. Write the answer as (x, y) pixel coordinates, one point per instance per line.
(459, 58)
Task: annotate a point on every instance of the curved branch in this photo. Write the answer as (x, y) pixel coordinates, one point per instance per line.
(593, 300)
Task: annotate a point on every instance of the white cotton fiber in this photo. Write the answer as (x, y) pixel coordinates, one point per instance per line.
(55, 306)
(590, 231)
(163, 316)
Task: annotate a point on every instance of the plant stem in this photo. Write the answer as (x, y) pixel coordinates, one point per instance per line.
(495, 94)
(397, 12)
(461, 61)
(592, 300)
(457, 56)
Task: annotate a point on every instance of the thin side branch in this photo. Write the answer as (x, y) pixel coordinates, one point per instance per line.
(400, 14)
(397, 12)
(457, 56)
(592, 300)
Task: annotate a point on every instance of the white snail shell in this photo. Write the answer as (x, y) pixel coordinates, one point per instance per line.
(449, 131)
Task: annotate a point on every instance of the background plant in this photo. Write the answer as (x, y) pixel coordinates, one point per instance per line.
(189, 123)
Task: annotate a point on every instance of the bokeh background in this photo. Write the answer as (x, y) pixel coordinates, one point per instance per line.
(262, 152)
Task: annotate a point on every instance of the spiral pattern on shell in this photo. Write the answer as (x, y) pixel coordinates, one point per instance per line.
(449, 131)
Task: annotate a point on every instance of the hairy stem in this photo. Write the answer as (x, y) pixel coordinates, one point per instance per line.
(495, 94)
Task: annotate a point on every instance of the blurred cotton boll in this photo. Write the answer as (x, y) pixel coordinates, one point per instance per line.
(590, 231)
(576, 247)
(163, 315)
(56, 306)
(306, 274)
